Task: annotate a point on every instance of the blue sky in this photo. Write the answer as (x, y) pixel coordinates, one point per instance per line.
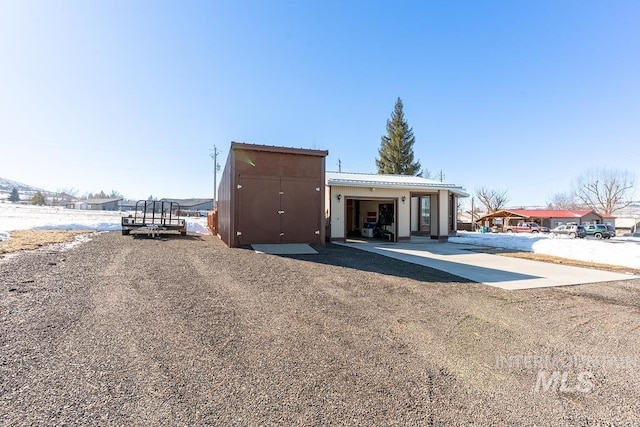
(517, 96)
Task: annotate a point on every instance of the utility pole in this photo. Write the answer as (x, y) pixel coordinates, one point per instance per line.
(473, 216)
(216, 167)
(441, 176)
(339, 165)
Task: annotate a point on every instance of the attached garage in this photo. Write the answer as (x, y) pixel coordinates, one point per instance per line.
(272, 194)
(390, 207)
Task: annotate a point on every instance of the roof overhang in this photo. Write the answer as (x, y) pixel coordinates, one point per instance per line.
(392, 182)
(276, 149)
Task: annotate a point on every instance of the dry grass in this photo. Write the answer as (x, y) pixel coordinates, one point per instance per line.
(24, 240)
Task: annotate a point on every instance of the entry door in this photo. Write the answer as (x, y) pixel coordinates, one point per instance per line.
(350, 223)
(300, 219)
(258, 219)
(425, 214)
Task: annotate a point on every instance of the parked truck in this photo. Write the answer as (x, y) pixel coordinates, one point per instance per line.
(525, 227)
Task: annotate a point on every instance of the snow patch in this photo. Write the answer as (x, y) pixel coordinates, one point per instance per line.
(619, 251)
(27, 217)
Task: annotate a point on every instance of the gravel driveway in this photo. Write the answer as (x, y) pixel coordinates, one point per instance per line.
(185, 331)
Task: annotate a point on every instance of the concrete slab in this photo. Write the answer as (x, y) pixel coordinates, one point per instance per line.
(493, 270)
(285, 249)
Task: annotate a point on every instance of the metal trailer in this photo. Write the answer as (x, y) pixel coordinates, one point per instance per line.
(153, 218)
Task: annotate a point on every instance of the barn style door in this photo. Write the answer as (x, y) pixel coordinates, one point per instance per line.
(257, 219)
(274, 210)
(300, 203)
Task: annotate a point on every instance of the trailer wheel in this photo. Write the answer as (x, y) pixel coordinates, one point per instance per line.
(126, 232)
(183, 233)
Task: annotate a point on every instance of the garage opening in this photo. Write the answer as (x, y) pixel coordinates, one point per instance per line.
(373, 219)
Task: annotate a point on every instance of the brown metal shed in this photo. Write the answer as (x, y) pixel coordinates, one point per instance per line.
(272, 194)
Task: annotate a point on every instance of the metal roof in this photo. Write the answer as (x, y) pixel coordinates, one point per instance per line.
(407, 182)
(275, 149)
(541, 213)
(551, 213)
(96, 201)
(185, 203)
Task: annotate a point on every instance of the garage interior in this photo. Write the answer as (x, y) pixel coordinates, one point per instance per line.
(371, 219)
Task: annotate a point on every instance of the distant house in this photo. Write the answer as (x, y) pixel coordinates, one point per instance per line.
(95, 204)
(465, 221)
(192, 204)
(628, 218)
(546, 217)
(128, 205)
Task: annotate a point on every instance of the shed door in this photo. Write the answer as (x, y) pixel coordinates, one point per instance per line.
(258, 217)
(300, 206)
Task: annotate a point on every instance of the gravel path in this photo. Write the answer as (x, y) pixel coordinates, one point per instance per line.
(185, 331)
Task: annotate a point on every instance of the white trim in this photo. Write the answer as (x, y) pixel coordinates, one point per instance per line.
(405, 182)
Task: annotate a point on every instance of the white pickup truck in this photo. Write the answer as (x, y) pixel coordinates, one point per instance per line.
(525, 227)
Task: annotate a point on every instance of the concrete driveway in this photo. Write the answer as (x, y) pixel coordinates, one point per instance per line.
(499, 271)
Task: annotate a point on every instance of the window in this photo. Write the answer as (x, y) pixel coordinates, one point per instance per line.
(425, 211)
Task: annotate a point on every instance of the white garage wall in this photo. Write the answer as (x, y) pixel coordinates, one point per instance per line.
(378, 195)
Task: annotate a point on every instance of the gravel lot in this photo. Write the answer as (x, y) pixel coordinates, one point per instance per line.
(185, 331)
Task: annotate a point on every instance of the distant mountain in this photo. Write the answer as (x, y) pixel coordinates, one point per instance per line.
(25, 191)
(7, 186)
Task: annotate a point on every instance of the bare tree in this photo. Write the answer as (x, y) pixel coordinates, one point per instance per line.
(426, 173)
(68, 191)
(66, 195)
(564, 201)
(605, 190)
(492, 200)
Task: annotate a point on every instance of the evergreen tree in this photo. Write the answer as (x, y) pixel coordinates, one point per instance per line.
(15, 196)
(396, 148)
(38, 199)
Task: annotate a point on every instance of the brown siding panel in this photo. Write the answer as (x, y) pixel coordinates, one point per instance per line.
(280, 199)
(258, 211)
(225, 203)
(302, 213)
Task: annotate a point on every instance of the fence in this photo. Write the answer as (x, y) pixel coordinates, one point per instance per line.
(212, 222)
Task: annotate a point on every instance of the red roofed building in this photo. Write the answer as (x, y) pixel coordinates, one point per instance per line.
(546, 217)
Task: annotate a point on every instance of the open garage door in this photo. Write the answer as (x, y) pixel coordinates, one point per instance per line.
(371, 218)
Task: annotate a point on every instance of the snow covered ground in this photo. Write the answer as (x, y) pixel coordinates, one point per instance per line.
(622, 251)
(23, 217)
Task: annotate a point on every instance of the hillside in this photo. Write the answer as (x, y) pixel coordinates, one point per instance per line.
(26, 191)
(6, 185)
